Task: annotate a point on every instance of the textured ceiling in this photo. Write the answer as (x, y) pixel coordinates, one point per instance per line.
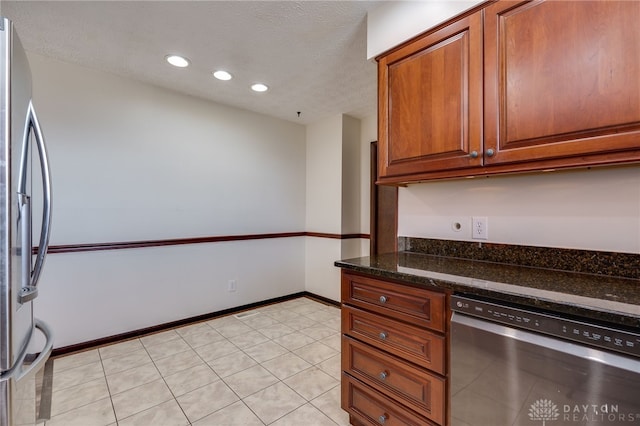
(312, 54)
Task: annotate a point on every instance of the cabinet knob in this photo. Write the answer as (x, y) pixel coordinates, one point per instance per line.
(473, 154)
(490, 152)
(383, 375)
(383, 299)
(382, 335)
(382, 419)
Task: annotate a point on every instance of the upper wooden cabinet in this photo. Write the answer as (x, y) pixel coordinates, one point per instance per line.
(525, 85)
(430, 101)
(562, 79)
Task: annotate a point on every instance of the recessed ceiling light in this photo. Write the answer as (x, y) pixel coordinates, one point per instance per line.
(259, 87)
(177, 61)
(222, 75)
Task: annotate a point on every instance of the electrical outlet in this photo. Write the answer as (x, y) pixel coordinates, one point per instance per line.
(479, 228)
(232, 285)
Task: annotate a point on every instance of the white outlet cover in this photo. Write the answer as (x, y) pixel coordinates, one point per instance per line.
(479, 228)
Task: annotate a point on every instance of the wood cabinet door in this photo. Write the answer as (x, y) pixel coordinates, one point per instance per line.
(414, 344)
(417, 306)
(562, 80)
(430, 102)
(370, 407)
(415, 387)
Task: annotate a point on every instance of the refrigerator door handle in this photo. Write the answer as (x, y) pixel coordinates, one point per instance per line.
(17, 372)
(44, 354)
(45, 232)
(27, 291)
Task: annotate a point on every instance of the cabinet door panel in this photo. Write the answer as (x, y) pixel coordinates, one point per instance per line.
(561, 79)
(438, 73)
(422, 391)
(414, 305)
(412, 343)
(430, 101)
(372, 408)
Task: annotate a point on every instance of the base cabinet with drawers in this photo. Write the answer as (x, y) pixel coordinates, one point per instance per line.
(394, 343)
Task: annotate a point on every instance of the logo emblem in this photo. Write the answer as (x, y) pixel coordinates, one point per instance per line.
(545, 410)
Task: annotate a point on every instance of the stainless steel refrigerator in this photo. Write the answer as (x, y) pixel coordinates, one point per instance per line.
(22, 156)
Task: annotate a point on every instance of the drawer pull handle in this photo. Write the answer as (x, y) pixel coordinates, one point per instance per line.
(382, 419)
(383, 299)
(382, 335)
(383, 375)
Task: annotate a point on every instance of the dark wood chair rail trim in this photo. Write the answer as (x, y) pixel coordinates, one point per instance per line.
(75, 248)
(336, 236)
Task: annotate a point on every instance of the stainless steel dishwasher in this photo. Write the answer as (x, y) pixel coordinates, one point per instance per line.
(516, 367)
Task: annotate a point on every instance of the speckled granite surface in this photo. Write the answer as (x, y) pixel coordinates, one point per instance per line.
(626, 265)
(603, 298)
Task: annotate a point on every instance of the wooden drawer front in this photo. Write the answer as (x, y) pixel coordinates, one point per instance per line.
(415, 387)
(408, 342)
(373, 408)
(414, 305)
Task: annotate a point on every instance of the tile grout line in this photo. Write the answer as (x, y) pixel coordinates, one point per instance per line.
(317, 321)
(165, 383)
(241, 399)
(289, 351)
(104, 372)
(302, 371)
(278, 379)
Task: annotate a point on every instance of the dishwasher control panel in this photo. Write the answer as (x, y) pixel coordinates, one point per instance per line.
(577, 331)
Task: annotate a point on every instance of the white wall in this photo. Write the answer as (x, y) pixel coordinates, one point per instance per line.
(597, 209)
(394, 22)
(321, 276)
(132, 162)
(351, 175)
(324, 176)
(333, 200)
(352, 189)
(368, 134)
(324, 206)
(85, 296)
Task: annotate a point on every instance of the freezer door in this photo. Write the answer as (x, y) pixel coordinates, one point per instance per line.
(16, 318)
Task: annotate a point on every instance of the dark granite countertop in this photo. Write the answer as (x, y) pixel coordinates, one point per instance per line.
(599, 297)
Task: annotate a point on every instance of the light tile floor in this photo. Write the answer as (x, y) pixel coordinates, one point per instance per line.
(274, 365)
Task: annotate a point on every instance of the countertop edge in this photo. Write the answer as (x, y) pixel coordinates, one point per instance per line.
(558, 307)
